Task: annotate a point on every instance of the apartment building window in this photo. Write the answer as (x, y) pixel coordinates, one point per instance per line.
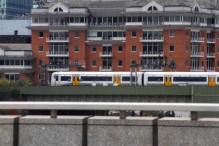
(94, 49)
(94, 63)
(217, 64)
(202, 63)
(171, 49)
(202, 49)
(39, 77)
(76, 62)
(134, 49)
(40, 48)
(134, 34)
(120, 63)
(41, 34)
(40, 62)
(186, 63)
(134, 62)
(217, 35)
(120, 49)
(171, 33)
(218, 50)
(187, 49)
(2, 62)
(76, 49)
(12, 77)
(76, 34)
(187, 33)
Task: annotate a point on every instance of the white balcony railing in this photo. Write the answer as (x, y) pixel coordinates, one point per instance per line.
(194, 68)
(105, 68)
(210, 69)
(151, 39)
(106, 24)
(54, 68)
(210, 55)
(150, 54)
(106, 54)
(210, 40)
(197, 39)
(150, 68)
(57, 39)
(57, 54)
(197, 54)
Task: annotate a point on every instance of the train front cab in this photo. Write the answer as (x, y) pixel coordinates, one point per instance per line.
(211, 80)
(168, 80)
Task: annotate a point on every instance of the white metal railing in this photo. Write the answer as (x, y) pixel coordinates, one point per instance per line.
(105, 68)
(151, 39)
(197, 54)
(59, 24)
(150, 53)
(57, 53)
(196, 68)
(197, 39)
(58, 39)
(106, 54)
(121, 106)
(153, 23)
(106, 24)
(152, 68)
(210, 40)
(211, 69)
(210, 54)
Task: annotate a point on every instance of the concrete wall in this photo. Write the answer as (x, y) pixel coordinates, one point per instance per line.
(107, 131)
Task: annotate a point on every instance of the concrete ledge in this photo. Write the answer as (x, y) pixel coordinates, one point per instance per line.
(183, 131)
(112, 131)
(44, 131)
(8, 127)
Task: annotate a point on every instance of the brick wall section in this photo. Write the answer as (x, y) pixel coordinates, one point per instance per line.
(132, 41)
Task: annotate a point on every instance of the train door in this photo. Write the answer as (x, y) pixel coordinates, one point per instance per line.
(211, 81)
(75, 80)
(117, 80)
(168, 81)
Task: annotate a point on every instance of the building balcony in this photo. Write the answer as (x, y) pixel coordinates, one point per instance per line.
(57, 54)
(197, 54)
(151, 68)
(106, 24)
(210, 69)
(57, 39)
(55, 68)
(106, 54)
(197, 39)
(211, 40)
(210, 55)
(150, 54)
(58, 24)
(105, 68)
(151, 39)
(104, 40)
(198, 69)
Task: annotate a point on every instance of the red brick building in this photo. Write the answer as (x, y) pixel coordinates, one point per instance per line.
(112, 35)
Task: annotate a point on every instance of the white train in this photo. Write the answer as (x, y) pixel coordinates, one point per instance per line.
(143, 78)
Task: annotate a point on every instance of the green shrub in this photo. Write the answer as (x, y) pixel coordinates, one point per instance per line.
(24, 82)
(4, 82)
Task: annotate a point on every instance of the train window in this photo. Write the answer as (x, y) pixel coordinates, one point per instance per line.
(56, 78)
(217, 79)
(127, 78)
(170, 78)
(66, 78)
(90, 78)
(189, 79)
(155, 79)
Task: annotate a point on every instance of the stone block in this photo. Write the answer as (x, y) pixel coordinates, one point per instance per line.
(112, 131)
(8, 127)
(184, 131)
(44, 131)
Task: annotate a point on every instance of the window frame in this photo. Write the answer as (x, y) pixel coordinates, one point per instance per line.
(170, 48)
(76, 34)
(118, 63)
(41, 32)
(170, 34)
(134, 34)
(93, 62)
(135, 48)
(76, 47)
(41, 47)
